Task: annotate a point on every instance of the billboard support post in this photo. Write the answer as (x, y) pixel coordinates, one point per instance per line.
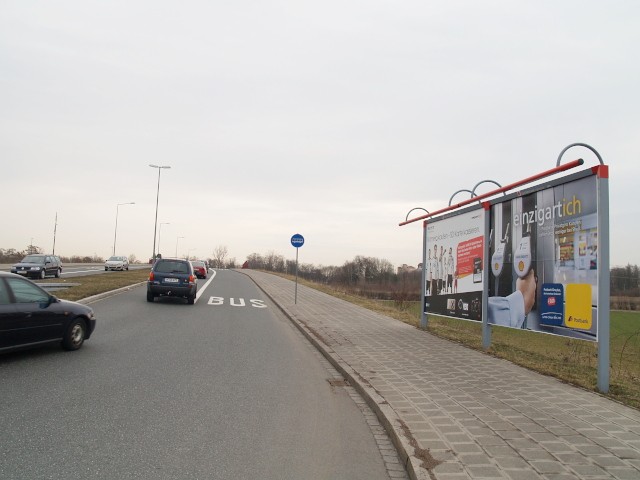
(423, 314)
(604, 286)
(604, 274)
(486, 327)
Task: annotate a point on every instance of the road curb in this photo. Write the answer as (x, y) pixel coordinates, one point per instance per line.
(387, 417)
(110, 293)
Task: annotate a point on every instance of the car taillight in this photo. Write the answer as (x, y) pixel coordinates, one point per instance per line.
(151, 277)
(192, 279)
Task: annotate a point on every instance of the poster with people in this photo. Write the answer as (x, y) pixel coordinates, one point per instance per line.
(544, 260)
(455, 264)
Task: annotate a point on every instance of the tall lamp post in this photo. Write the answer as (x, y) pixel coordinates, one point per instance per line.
(160, 232)
(115, 232)
(155, 226)
(177, 246)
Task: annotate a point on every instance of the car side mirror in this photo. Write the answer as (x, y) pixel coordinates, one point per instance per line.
(52, 299)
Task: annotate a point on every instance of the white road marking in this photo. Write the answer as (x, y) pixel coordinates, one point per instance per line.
(201, 290)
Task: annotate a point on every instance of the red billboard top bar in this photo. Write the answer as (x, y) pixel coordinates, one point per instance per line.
(546, 173)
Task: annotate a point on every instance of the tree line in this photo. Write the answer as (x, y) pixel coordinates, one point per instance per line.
(366, 276)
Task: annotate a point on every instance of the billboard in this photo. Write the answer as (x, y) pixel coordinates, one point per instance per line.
(544, 260)
(454, 266)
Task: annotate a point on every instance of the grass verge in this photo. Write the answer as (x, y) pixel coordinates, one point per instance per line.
(90, 285)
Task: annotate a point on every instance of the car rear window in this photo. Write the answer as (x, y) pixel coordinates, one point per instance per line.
(168, 266)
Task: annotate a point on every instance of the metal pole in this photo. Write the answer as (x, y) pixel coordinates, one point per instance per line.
(155, 226)
(423, 314)
(177, 246)
(486, 327)
(604, 277)
(115, 232)
(55, 227)
(296, 294)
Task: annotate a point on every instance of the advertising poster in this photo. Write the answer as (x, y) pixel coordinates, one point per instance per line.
(544, 261)
(455, 264)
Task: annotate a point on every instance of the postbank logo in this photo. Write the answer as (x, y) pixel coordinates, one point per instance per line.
(578, 306)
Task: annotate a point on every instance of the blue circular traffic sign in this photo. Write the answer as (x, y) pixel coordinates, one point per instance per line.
(297, 240)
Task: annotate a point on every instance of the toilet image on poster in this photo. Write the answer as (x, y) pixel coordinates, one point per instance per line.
(543, 253)
(455, 266)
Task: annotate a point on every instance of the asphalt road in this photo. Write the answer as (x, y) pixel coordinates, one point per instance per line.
(226, 388)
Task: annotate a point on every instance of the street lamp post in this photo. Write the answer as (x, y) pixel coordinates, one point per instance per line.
(155, 226)
(160, 232)
(177, 246)
(115, 232)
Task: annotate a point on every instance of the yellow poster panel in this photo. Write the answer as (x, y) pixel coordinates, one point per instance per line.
(578, 306)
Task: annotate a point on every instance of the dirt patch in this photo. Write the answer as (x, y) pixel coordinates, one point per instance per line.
(426, 459)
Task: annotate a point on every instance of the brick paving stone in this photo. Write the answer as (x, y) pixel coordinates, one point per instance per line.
(474, 459)
(511, 462)
(448, 467)
(624, 473)
(522, 475)
(500, 451)
(556, 446)
(561, 476)
(584, 471)
(572, 459)
(535, 454)
(484, 472)
(548, 467)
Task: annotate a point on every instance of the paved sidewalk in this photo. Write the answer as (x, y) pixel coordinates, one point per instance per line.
(455, 413)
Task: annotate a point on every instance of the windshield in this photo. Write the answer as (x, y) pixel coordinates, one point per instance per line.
(33, 259)
(115, 259)
(171, 266)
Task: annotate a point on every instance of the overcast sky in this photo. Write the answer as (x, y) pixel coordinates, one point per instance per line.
(330, 119)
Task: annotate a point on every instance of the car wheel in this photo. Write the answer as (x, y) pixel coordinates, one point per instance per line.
(150, 297)
(75, 335)
(42, 274)
(58, 273)
(191, 299)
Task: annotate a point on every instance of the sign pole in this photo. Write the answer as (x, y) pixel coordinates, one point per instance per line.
(297, 241)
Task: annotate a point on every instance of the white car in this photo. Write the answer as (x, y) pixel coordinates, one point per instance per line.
(116, 263)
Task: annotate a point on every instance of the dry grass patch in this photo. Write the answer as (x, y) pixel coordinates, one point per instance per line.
(90, 285)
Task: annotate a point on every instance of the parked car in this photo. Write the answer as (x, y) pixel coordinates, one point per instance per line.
(116, 263)
(172, 277)
(200, 268)
(38, 266)
(30, 317)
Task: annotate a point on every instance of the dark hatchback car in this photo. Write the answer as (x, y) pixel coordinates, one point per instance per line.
(172, 277)
(38, 266)
(30, 317)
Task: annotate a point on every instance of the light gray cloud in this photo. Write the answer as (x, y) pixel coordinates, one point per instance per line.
(332, 120)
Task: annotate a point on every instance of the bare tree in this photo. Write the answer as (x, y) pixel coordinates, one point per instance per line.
(219, 255)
